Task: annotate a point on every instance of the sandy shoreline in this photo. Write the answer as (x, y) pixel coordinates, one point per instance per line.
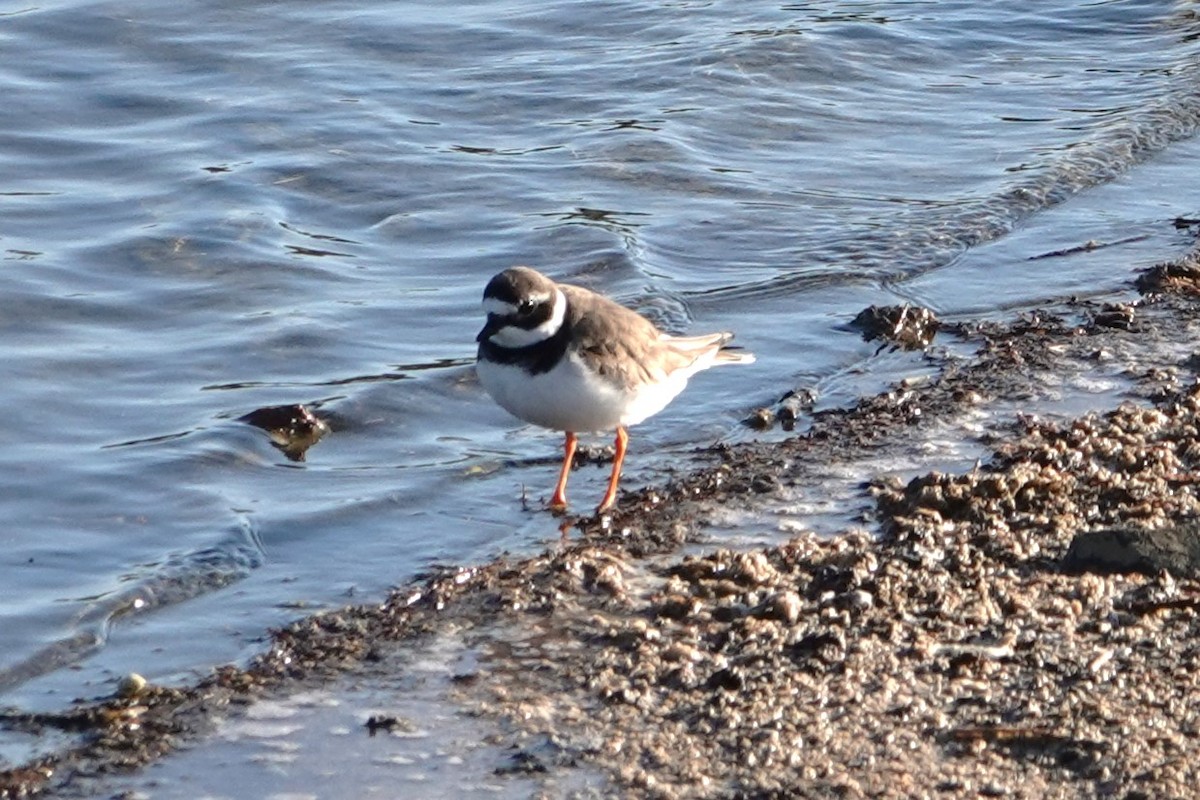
(950, 649)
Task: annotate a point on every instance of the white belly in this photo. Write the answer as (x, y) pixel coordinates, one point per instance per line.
(569, 398)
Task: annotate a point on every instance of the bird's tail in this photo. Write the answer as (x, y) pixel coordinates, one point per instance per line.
(704, 345)
(733, 355)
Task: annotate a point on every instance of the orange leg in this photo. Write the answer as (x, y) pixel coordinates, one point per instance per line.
(610, 496)
(559, 501)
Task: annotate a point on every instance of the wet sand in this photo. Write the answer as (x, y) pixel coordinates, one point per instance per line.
(1008, 630)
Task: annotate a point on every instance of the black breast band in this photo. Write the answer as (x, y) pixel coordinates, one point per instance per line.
(535, 358)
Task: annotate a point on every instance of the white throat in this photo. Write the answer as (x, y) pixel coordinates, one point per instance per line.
(513, 337)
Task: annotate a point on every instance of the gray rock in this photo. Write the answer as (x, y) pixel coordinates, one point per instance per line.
(1122, 550)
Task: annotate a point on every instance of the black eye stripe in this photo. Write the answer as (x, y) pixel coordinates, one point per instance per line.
(531, 313)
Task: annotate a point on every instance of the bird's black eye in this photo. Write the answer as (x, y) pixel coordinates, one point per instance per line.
(526, 306)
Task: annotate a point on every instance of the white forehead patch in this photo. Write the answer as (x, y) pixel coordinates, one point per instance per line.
(512, 337)
(493, 306)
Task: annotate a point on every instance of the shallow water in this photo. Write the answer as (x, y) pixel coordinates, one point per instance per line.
(251, 204)
(312, 745)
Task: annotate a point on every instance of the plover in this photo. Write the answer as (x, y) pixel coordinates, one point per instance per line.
(565, 358)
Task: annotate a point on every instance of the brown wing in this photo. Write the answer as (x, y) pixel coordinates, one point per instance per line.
(624, 346)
